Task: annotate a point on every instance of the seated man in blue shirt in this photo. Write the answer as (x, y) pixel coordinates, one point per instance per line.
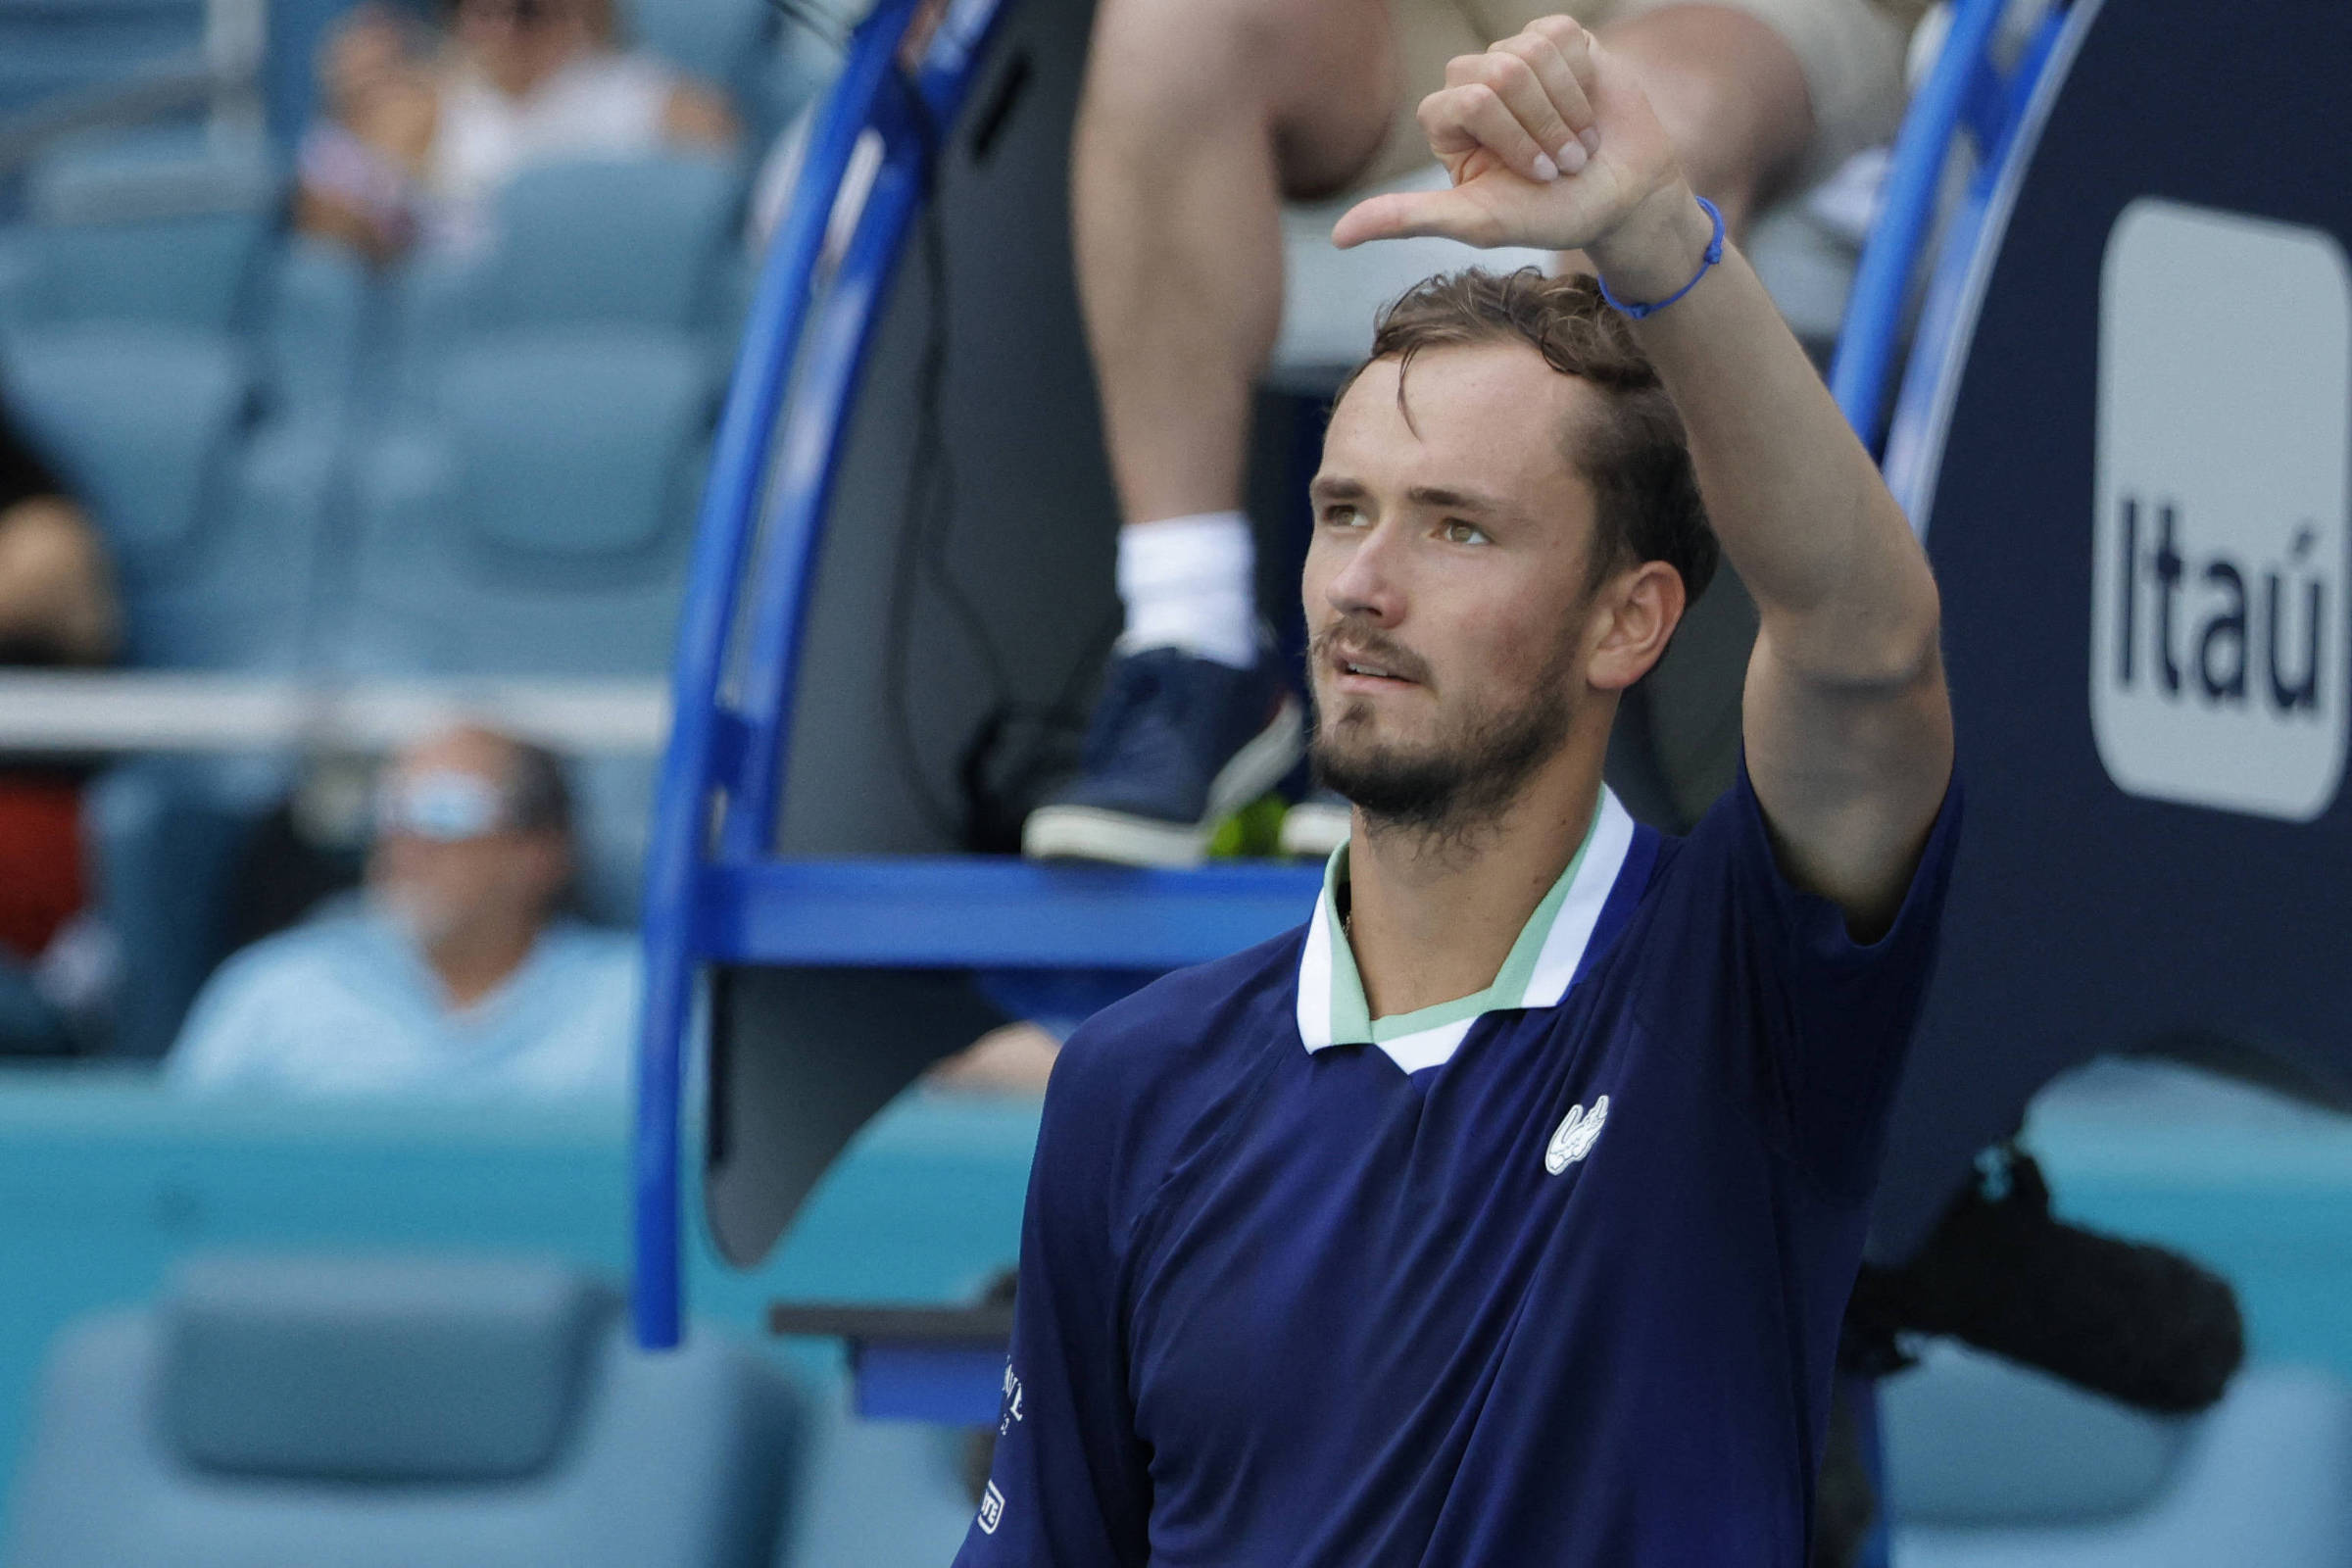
(456, 977)
(1504, 1214)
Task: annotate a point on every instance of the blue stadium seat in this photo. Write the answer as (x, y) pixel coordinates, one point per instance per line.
(396, 1411)
(1992, 1466)
(638, 242)
(768, 60)
(192, 270)
(714, 39)
(170, 227)
(213, 525)
(53, 46)
(538, 522)
(314, 327)
(144, 421)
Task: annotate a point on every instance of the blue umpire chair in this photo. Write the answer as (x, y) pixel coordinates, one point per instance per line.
(884, 499)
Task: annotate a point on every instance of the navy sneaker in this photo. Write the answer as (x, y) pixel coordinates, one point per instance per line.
(1317, 825)
(1178, 743)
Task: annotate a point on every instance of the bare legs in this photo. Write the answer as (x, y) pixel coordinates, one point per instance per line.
(1198, 118)
(1731, 94)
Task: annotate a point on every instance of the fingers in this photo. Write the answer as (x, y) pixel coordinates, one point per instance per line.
(1561, 54)
(1459, 120)
(1538, 79)
(1404, 214)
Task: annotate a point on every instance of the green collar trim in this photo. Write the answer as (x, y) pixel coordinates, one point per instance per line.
(1515, 985)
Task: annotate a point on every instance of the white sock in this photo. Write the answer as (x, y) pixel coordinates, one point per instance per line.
(1190, 583)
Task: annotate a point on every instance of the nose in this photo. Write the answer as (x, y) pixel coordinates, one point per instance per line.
(1368, 582)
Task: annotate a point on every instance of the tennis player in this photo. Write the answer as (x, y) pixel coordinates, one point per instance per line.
(1502, 1216)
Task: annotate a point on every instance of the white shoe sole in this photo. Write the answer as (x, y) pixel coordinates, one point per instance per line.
(1090, 833)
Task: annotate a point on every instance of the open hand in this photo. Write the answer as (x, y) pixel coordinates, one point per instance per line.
(1552, 144)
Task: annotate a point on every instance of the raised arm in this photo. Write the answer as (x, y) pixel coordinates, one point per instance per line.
(1848, 728)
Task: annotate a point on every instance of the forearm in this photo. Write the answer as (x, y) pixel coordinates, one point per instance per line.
(1838, 578)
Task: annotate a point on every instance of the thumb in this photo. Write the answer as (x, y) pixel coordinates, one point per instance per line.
(1403, 215)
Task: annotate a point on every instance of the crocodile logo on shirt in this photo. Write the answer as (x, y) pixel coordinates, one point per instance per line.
(1579, 1131)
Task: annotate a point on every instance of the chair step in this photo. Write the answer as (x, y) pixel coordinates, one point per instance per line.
(992, 912)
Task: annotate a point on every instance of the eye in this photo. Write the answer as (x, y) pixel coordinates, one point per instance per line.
(1341, 514)
(1454, 532)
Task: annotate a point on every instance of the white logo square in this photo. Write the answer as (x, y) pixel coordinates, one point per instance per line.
(2218, 667)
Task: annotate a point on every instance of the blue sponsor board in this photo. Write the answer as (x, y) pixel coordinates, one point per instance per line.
(2138, 445)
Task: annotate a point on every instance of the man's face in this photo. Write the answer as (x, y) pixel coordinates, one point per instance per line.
(520, 43)
(449, 863)
(1446, 588)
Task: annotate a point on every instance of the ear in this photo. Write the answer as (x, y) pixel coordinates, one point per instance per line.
(1634, 615)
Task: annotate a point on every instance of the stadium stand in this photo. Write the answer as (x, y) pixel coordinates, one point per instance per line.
(315, 472)
(50, 48)
(538, 523)
(741, 901)
(640, 242)
(307, 469)
(1991, 1466)
(171, 228)
(400, 1410)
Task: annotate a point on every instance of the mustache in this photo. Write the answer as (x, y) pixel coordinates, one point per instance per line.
(1363, 644)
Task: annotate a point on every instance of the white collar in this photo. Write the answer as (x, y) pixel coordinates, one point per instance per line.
(1333, 1010)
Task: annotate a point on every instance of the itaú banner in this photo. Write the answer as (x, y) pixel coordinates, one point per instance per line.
(2219, 669)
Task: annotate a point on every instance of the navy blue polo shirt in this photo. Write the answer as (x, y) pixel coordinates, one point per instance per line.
(1551, 1275)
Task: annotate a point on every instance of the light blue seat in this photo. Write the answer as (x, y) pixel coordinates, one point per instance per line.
(639, 242)
(1992, 1466)
(53, 46)
(241, 594)
(170, 227)
(143, 420)
(213, 525)
(540, 524)
(714, 39)
(635, 240)
(770, 61)
(318, 306)
(381, 1413)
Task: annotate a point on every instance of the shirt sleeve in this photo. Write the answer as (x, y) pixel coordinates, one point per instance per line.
(224, 1044)
(1070, 1486)
(1823, 1023)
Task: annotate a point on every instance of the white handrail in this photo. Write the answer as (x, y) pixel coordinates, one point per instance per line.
(111, 712)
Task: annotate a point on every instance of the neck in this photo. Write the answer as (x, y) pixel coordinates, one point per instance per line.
(1432, 914)
(472, 965)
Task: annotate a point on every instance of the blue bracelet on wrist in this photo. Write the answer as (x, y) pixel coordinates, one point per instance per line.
(1707, 265)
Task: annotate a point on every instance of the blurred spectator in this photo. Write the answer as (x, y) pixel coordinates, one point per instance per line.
(56, 609)
(422, 133)
(457, 976)
(1198, 120)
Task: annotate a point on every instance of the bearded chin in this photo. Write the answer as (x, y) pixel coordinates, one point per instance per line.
(1467, 777)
